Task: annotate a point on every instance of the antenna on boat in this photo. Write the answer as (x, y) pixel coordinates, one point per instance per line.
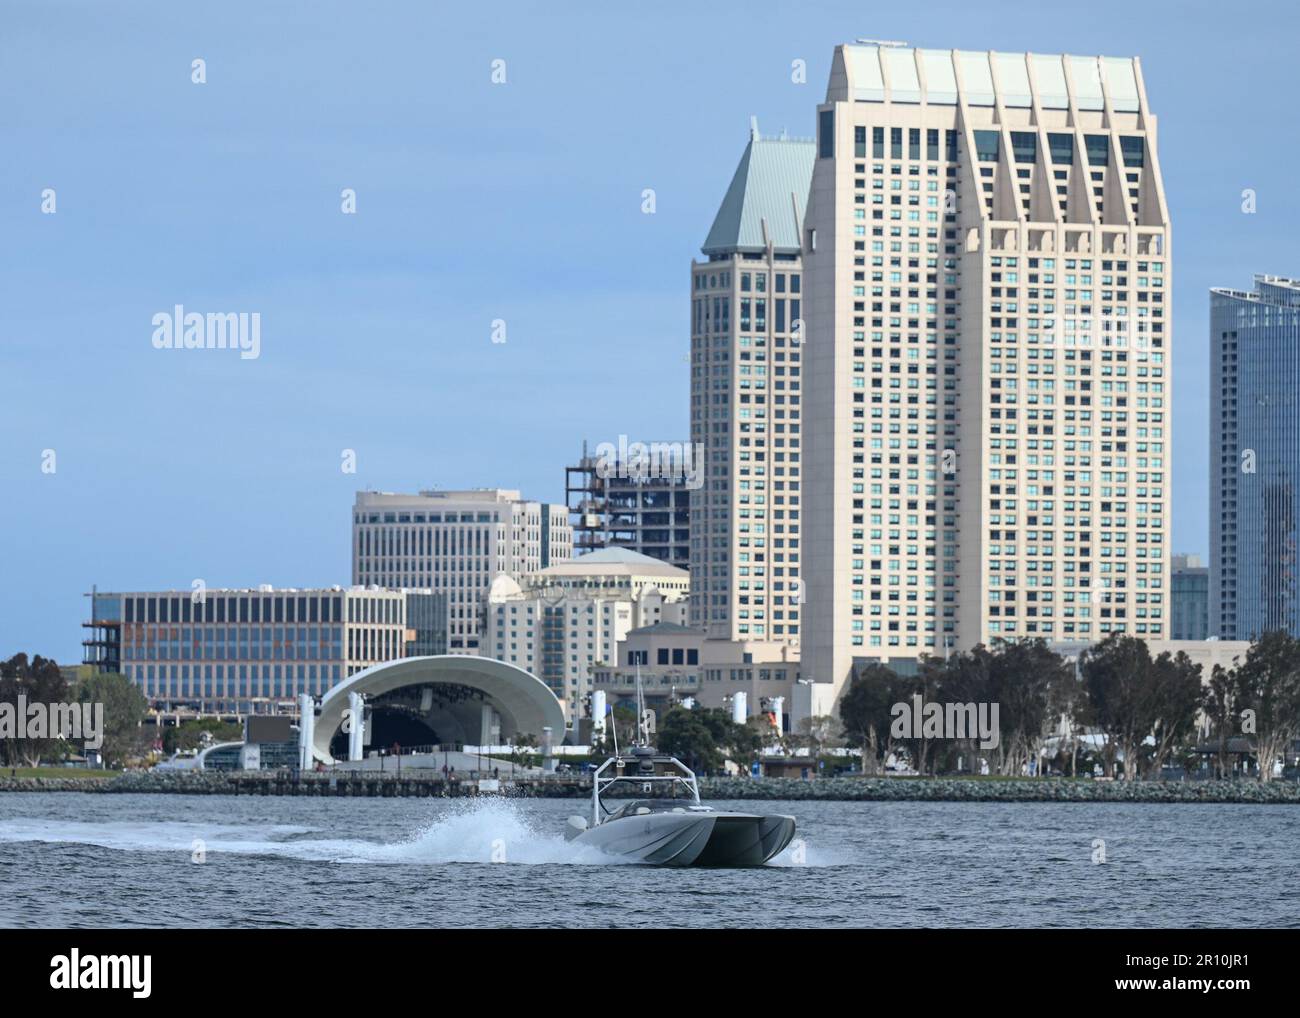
(641, 734)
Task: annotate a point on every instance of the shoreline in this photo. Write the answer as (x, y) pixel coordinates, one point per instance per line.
(842, 789)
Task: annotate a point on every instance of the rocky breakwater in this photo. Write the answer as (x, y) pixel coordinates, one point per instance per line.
(846, 789)
(1000, 790)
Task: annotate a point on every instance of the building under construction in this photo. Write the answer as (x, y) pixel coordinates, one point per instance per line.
(636, 497)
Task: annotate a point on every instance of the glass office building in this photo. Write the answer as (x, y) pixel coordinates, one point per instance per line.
(1189, 599)
(1254, 457)
(228, 649)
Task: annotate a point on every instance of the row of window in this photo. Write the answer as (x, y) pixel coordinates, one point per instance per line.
(205, 607)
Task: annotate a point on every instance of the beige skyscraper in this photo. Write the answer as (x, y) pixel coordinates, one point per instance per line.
(746, 320)
(454, 544)
(986, 430)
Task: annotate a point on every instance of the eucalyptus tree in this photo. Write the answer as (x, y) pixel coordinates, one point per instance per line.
(865, 711)
(1173, 698)
(1116, 674)
(1219, 707)
(1029, 682)
(36, 681)
(1268, 695)
(125, 708)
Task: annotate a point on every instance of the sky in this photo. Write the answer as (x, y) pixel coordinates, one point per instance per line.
(475, 201)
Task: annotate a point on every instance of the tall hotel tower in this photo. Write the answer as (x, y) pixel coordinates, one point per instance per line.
(1254, 458)
(747, 307)
(987, 363)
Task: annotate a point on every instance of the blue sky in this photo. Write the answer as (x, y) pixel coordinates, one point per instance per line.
(475, 202)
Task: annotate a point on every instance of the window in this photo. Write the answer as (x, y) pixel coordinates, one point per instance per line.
(1024, 146)
(860, 142)
(826, 134)
(1098, 148)
(1133, 150)
(986, 146)
(1061, 147)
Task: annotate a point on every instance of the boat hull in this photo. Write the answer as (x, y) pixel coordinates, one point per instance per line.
(693, 839)
(743, 840)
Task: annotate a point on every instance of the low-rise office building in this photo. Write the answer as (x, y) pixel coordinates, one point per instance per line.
(675, 663)
(236, 649)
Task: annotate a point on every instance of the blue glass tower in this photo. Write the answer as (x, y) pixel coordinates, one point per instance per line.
(1254, 458)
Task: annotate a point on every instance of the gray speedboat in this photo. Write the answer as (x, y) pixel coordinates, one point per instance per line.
(670, 826)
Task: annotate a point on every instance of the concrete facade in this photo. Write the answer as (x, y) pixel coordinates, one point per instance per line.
(986, 428)
(570, 617)
(676, 662)
(455, 543)
(746, 349)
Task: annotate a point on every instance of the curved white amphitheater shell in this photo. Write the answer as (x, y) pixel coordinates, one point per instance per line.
(457, 695)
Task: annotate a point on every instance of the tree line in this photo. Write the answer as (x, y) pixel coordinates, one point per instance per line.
(1143, 712)
(38, 681)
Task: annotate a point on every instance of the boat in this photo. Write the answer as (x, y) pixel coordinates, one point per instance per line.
(670, 826)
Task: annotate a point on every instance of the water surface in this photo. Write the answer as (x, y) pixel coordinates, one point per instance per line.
(77, 859)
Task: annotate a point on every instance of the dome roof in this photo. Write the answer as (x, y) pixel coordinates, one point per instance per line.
(503, 588)
(614, 562)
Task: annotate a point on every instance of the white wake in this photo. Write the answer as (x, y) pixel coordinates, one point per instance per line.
(481, 831)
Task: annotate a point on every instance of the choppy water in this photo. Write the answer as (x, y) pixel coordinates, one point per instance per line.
(71, 859)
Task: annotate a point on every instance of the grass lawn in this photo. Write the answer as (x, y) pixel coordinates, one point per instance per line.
(55, 772)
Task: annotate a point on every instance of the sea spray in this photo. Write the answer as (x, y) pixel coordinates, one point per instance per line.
(482, 830)
(464, 831)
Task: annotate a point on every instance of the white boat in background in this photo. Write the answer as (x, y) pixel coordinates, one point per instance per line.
(673, 828)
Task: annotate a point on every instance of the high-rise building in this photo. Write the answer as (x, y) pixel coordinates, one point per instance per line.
(986, 367)
(238, 649)
(1254, 458)
(644, 505)
(455, 543)
(747, 309)
(1189, 599)
(569, 617)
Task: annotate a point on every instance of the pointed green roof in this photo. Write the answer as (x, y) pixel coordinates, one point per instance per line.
(770, 184)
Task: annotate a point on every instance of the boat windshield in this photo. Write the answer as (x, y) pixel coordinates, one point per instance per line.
(641, 807)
